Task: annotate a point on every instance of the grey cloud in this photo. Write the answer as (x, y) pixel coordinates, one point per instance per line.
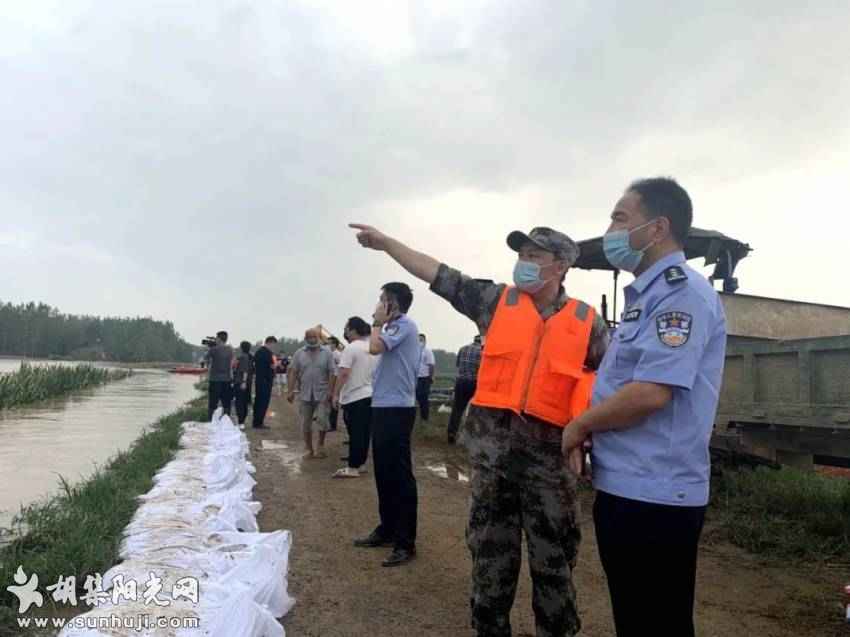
(225, 148)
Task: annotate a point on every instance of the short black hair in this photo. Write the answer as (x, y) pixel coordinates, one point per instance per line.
(421, 335)
(333, 339)
(664, 197)
(401, 294)
(221, 335)
(245, 346)
(359, 326)
(271, 339)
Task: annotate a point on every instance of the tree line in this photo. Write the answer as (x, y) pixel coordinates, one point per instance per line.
(37, 330)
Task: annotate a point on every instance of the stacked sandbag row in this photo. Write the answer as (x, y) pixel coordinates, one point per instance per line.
(198, 524)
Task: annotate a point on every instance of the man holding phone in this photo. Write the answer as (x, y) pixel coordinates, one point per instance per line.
(396, 338)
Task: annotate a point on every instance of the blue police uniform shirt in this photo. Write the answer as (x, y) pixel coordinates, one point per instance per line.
(672, 332)
(395, 376)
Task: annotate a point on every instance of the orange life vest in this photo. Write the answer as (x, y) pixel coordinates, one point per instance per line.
(536, 367)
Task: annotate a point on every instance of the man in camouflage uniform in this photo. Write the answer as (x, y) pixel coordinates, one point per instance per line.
(519, 478)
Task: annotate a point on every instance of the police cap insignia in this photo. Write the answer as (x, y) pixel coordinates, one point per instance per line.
(674, 328)
(675, 274)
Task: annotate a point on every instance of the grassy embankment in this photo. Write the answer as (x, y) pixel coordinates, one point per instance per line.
(776, 513)
(78, 532)
(32, 383)
(784, 513)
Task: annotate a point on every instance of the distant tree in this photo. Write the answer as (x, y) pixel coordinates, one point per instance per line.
(40, 331)
(288, 346)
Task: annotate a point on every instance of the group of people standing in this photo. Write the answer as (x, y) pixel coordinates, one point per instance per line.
(554, 386)
(551, 388)
(234, 377)
(373, 381)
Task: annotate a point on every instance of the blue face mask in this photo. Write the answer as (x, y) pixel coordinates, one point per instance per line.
(620, 252)
(527, 277)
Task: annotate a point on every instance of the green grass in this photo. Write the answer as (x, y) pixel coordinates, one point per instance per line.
(32, 383)
(78, 532)
(784, 513)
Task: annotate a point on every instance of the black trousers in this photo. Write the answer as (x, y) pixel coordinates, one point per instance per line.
(333, 416)
(394, 479)
(243, 399)
(219, 391)
(423, 394)
(358, 420)
(649, 553)
(262, 397)
(464, 391)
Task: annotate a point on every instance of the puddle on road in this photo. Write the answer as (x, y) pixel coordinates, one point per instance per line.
(290, 457)
(448, 471)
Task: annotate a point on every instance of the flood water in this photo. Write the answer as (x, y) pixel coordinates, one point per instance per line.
(73, 435)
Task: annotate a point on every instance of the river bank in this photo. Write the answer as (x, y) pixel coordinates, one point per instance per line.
(72, 435)
(342, 591)
(78, 531)
(32, 383)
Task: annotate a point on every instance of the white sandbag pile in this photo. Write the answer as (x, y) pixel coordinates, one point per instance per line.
(197, 524)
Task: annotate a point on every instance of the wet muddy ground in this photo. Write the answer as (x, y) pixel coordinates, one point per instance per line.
(344, 591)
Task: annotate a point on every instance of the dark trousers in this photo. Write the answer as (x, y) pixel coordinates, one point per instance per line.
(649, 553)
(423, 395)
(358, 421)
(333, 416)
(464, 391)
(219, 391)
(397, 496)
(262, 397)
(243, 399)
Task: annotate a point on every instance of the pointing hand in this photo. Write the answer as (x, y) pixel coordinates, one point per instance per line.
(370, 237)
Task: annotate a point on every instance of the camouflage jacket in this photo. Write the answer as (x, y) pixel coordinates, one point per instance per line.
(497, 438)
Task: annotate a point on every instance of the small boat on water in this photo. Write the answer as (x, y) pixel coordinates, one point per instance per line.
(187, 370)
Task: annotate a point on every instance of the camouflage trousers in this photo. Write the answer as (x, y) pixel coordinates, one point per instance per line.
(520, 485)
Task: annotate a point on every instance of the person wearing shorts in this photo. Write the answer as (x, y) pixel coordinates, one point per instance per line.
(310, 373)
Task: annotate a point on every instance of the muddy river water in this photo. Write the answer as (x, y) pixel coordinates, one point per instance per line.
(71, 436)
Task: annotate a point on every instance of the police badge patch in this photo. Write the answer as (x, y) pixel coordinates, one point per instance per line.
(631, 315)
(675, 274)
(392, 329)
(674, 328)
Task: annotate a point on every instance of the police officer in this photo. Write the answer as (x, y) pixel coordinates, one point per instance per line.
(654, 404)
(533, 379)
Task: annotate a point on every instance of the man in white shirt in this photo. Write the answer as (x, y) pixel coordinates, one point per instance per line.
(353, 391)
(426, 377)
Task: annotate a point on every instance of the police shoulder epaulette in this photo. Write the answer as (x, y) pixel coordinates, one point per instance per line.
(675, 274)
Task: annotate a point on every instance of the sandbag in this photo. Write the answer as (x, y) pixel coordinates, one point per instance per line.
(198, 524)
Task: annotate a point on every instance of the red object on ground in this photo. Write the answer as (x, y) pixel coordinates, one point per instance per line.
(836, 472)
(186, 370)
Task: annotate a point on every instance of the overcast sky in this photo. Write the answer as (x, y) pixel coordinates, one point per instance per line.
(199, 161)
